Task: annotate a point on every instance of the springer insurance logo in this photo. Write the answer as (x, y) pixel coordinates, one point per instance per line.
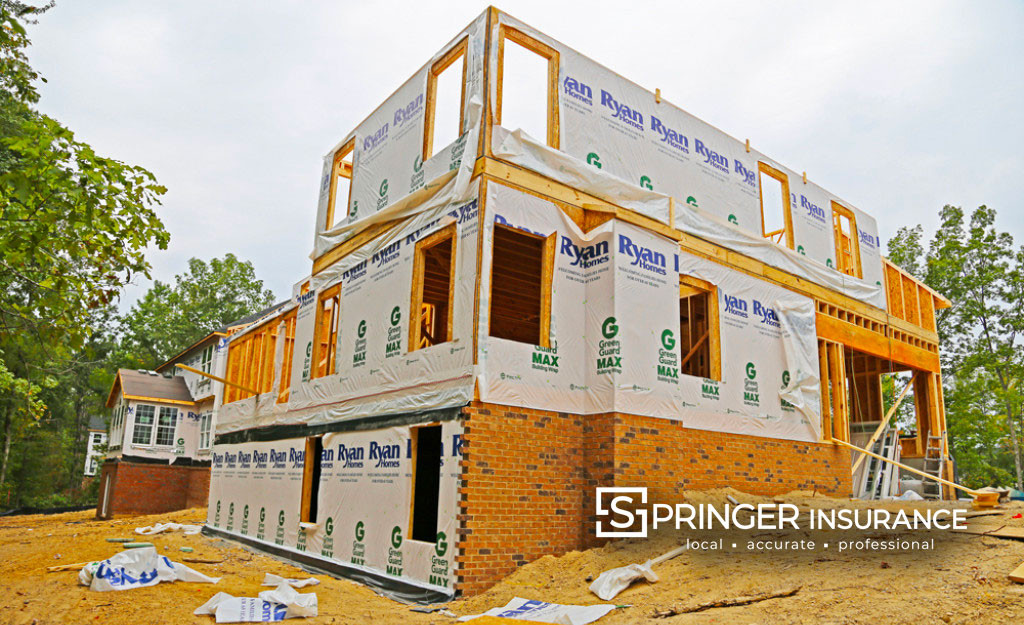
(619, 508)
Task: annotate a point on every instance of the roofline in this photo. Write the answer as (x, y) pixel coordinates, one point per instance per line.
(160, 400)
(170, 362)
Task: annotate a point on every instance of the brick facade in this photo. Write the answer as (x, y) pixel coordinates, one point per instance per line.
(138, 488)
(529, 477)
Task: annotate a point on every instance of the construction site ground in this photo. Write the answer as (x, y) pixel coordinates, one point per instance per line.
(964, 580)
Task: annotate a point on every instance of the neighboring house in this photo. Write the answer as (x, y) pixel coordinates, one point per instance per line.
(97, 439)
(158, 456)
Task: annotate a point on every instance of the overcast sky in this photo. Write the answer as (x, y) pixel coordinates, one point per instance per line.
(898, 107)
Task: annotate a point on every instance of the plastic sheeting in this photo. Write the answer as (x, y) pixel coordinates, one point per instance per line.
(137, 568)
(615, 334)
(365, 494)
(613, 131)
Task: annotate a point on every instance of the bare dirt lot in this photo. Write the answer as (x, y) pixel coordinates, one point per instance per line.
(963, 580)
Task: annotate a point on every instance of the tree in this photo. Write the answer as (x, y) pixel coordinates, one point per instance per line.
(74, 228)
(207, 296)
(976, 267)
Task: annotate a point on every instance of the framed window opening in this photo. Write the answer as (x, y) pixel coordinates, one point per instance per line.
(844, 232)
(433, 289)
(166, 425)
(776, 214)
(699, 332)
(517, 37)
(311, 479)
(251, 362)
(286, 361)
(142, 431)
(325, 342)
(341, 183)
(522, 264)
(426, 482)
(441, 90)
(205, 429)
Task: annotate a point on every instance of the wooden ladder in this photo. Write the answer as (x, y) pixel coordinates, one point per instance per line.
(933, 466)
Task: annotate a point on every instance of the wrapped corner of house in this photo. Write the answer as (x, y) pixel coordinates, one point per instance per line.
(530, 278)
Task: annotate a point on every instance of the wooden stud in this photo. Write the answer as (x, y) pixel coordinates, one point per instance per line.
(805, 177)
(748, 146)
(307, 480)
(657, 95)
(547, 275)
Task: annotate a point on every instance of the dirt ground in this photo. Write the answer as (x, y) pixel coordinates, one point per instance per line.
(963, 580)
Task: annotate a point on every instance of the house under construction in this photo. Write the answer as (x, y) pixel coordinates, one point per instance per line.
(531, 278)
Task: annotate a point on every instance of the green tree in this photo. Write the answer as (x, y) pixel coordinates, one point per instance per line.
(977, 268)
(207, 296)
(74, 228)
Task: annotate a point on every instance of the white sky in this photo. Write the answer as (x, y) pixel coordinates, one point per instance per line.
(898, 107)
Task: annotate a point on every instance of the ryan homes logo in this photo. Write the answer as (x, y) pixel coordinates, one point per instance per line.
(408, 112)
(735, 306)
(643, 257)
(670, 137)
(386, 255)
(622, 112)
(711, 157)
(587, 256)
(577, 90)
(385, 456)
(867, 239)
(766, 315)
(350, 457)
(372, 142)
(814, 211)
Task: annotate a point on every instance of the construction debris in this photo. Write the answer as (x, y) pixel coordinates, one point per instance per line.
(276, 580)
(159, 528)
(1017, 575)
(272, 605)
(137, 568)
(613, 581)
(727, 603)
(543, 612)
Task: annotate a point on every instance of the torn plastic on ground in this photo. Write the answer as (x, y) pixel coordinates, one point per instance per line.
(544, 612)
(137, 568)
(159, 528)
(276, 580)
(613, 581)
(282, 603)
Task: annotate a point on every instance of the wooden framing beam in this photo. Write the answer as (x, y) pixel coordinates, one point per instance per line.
(885, 422)
(212, 377)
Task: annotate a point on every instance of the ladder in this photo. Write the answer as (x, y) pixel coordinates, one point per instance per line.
(878, 476)
(933, 466)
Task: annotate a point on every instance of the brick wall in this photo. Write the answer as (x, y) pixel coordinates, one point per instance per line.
(137, 488)
(529, 477)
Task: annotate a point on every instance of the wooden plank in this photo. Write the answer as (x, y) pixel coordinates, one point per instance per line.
(826, 412)
(547, 275)
(1017, 575)
(307, 480)
(997, 531)
(884, 423)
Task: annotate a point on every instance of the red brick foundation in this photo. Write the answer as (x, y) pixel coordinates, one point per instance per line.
(529, 477)
(137, 488)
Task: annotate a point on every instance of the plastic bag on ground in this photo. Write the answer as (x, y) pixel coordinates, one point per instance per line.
(272, 605)
(137, 568)
(276, 580)
(614, 581)
(168, 527)
(543, 612)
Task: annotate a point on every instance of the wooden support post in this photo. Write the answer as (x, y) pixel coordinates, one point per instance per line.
(218, 379)
(885, 421)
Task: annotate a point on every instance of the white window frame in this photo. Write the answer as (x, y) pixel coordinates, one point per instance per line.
(151, 425)
(155, 426)
(205, 430)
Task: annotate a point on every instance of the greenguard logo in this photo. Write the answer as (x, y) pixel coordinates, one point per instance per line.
(307, 361)
(355, 210)
(594, 159)
(609, 358)
(382, 201)
(828, 263)
(327, 548)
(692, 202)
(668, 359)
(416, 181)
(394, 344)
(216, 516)
(733, 220)
(245, 519)
(395, 553)
(300, 540)
(358, 548)
(438, 563)
(751, 396)
(800, 250)
(279, 535)
(359, 355)
(545, 359)
(786, 406)
(261, 528)
(645, 182)
(231, 515)
(709, 389)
